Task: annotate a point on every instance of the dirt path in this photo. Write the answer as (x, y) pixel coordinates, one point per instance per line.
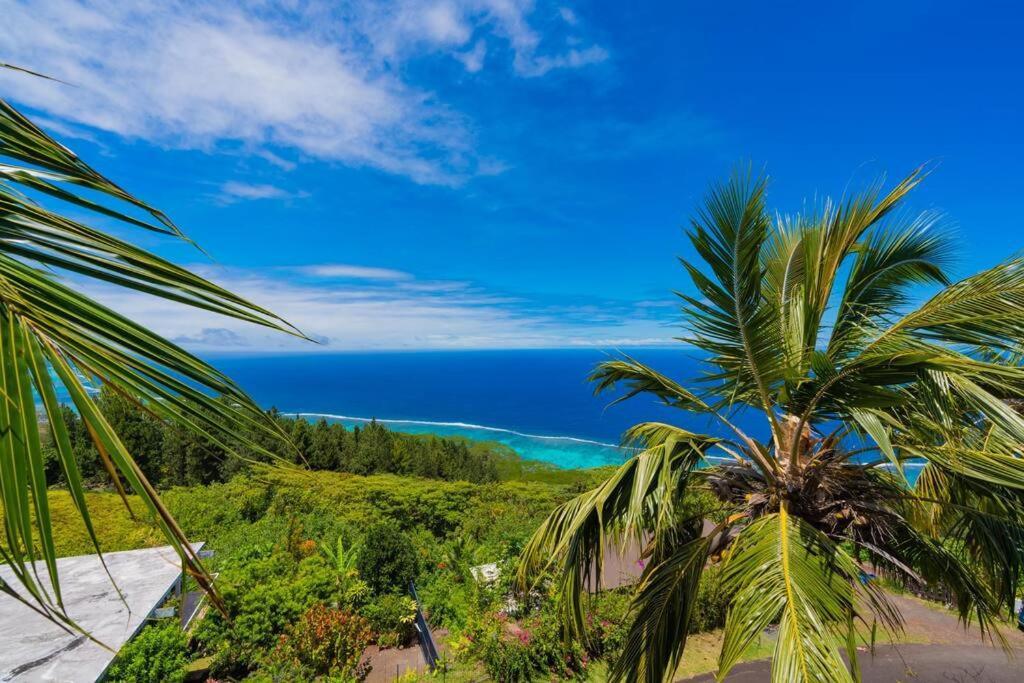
(391, 663)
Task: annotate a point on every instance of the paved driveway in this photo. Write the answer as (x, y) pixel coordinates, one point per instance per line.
(948, 653)
(908, 664)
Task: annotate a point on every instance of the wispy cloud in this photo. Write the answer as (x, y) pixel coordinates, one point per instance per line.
(473, 58)
(344, 270)
(381, 313)
(234, 191)
(321, 79)
(216, 337)
(538, 44)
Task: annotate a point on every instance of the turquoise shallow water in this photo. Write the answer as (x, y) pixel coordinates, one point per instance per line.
(564, 451)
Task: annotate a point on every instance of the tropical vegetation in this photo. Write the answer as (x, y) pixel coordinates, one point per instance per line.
(891, 439)
(287, 553)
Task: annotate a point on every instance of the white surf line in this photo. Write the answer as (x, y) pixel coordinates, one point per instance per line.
(462, 425)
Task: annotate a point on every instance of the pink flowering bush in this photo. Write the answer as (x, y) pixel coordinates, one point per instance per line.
(519, 651)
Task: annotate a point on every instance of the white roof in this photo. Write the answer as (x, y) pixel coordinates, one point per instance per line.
(34, 649)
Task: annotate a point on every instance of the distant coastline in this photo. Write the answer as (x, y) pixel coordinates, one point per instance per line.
(576, 453)
(537, 402)
(457, 425)
(569, 452)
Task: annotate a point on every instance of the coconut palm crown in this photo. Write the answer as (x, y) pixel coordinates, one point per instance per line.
(808, 322)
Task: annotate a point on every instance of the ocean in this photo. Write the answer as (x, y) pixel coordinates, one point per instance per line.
(538, 402)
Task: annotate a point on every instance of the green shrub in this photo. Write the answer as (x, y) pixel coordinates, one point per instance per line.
(157, 655)
(392, 618)
(607, 622)
(264, 594)
(325, 642)
(507, 661)
(515, 652)
(352, 592)
(446, 599)
(387, 561)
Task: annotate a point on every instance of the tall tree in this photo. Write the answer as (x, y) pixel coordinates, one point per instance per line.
(806, 321)
(375, 450)
(51, 333)
(139, 430)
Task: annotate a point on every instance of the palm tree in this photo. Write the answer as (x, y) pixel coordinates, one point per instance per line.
(805, 322)
(51, 334)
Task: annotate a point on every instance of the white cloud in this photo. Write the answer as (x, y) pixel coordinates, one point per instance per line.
(379, 314)
(217, 337)
(344, 270)
(319, 78)
(399, 28)
(276, 160)
(473, 59)
(233, 191)
(571, 59)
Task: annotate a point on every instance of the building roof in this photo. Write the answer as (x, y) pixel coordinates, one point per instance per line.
(35, 649)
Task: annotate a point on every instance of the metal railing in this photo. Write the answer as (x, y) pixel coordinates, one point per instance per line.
(427, 643)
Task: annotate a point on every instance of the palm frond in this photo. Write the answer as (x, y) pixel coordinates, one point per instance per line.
(641, 379)
(988, 526)
(839, 229)
(984, 310)
(661, 610)
(647, 435)
(991, 467)
(874, 424)
(884, 269)
(730, 321)
(787, 572)
(784, 260)
(48, 327)
(574, 537)
(941, 567)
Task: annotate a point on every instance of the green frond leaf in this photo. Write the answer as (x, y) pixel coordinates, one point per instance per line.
(784, 571)
(638, 379)
(661, 611)
(635, 502)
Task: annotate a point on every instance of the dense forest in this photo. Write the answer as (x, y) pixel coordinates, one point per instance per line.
(171, 455)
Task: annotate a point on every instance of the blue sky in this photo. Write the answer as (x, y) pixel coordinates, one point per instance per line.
(507, 173)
